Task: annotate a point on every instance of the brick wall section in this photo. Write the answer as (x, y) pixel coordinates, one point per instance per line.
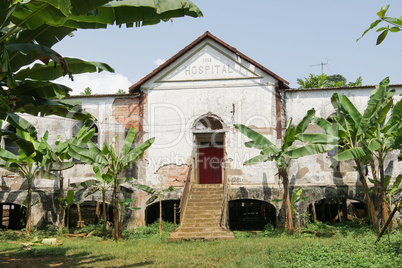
(127, 111)
(173, 174)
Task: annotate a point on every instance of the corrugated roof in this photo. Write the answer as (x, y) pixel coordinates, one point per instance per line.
(332, 88)
(131, 95)
(136, 87)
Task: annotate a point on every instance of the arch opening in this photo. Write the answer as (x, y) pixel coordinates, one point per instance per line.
(152, 212)
(91, 213)
(250, 215)
(332, 210)
(13, 216)
(209, 151)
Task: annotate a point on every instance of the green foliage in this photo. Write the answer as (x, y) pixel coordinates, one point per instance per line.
(354, 248)
(29, 29)
(367, 138)
(108, 164)
(121, 91)
(152, 230)
(325, 81)
(87, 91)
(313, 144)
(394, 25)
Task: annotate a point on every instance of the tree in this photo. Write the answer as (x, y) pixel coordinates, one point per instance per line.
(103, 183)
(108, 164)
(32, 159)
(394, 25)
(314, 144)
(367, 139)
(29, 29)
(60, 156)
(66, 203)
(313, 81)
(324, 81)
(87, 91)
(336, 79)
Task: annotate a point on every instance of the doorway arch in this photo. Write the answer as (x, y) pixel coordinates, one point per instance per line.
(209, 151)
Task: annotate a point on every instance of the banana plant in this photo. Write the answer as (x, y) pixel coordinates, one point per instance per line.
(30, 162)
(108, 164)
(66, 203)
(103, 183)
(367, 139)
(30, 28)
(313, 144)
(60, 157)
(297, 199)
(124, 205)
(156, 194)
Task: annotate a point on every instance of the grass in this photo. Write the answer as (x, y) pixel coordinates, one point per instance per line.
(318, 246)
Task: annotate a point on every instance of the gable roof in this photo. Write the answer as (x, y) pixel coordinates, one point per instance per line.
(283, 84)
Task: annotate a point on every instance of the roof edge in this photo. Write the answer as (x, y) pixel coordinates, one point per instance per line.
(337, 88)
(136, 87)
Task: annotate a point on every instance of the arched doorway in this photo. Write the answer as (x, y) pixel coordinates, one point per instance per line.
(152, 211)
(250, 215)
(209, 138)
(90, 212)
(13, 216)
(331, 210)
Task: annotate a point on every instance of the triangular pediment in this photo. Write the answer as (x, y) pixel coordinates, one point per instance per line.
(207, 62)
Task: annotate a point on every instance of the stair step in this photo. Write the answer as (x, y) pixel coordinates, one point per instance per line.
(202, 229)
(200, 186)
(202, 217)
(214, 224)
(193, 220)
(222, 235)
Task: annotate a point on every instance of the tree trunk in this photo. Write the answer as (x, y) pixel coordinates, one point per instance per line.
(29, 208)
(383, 204)
(370, 204)
(61, 195)
(116, 211)
(314, 212)
(79, 224)
(160, 217)
(68, 218)
(286, 195)
(104, 207)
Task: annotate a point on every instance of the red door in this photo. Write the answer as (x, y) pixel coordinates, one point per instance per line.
(210, 165)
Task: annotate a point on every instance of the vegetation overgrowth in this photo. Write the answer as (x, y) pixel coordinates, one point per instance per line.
(348, 244)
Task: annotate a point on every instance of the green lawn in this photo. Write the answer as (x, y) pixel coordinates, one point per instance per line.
(317, 247)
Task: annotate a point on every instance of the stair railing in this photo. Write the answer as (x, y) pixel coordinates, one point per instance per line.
(225, 202)
(184, 196)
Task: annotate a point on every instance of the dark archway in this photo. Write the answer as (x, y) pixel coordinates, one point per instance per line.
(331, 210)
(152, 211)
(250, 215)
(91, 213)
(13, 216)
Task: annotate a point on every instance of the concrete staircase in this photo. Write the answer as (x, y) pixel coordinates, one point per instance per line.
(202, 215)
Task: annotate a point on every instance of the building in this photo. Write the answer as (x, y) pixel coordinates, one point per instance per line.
(190, 104)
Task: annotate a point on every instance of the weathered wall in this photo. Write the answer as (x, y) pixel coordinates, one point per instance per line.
(115, 116)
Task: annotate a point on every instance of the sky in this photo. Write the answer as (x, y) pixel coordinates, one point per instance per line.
(292, 38)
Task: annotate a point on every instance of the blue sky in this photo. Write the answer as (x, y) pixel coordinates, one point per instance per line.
(289, 37)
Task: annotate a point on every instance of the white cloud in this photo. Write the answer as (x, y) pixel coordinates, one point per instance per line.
(100, 83)
(159, 61)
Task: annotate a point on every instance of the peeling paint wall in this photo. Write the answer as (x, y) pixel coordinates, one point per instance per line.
(173, 174)
(170, 103)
